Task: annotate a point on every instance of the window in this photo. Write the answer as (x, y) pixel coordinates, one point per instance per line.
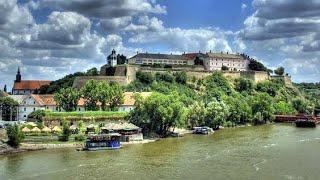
(24, 109)
(25, 116)
(34, 109)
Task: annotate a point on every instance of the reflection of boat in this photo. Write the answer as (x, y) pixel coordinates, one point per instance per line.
(103, 142)
(202, 130)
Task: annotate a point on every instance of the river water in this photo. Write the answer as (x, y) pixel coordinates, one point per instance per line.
(264, 152)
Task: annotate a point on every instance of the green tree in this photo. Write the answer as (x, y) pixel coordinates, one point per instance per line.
(66, 132)
(160, 113)
(181, 77)
(255, 65)
(216, 114)
(90, 92)
(104, 94)
(283, 108)
(303, 106)
(92, 72)
(67, 99)
(224, 68)
(239, 110)
(15, 135)
(279, 71)
(196, 114)
(116, 96)
(262, 103)
(242, 84)
(9, 108)
(146, 78)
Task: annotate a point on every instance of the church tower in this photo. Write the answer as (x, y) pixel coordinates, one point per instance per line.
(112, 58)
(18, 76)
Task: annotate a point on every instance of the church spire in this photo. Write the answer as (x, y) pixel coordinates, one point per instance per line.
(18, 76)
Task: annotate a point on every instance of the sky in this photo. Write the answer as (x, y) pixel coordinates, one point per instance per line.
(49, 39)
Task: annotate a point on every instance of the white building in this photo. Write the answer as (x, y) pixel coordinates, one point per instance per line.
(235, 62)
(33, 102)
(164, 59)
(129, 101)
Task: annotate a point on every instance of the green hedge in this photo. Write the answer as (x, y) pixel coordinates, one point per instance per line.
(86, 115)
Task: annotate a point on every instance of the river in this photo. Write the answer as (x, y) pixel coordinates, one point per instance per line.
(264, 152)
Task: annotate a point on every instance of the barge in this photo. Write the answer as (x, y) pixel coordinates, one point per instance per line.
(306, 123)
(103, 142)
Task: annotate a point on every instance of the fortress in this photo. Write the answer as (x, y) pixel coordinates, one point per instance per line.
(196, 65)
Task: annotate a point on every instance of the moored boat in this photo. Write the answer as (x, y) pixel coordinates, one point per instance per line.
(103, 142)
(202, 130)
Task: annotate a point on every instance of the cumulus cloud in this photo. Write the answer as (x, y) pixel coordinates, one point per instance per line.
(178, 39)
(275, 19)
(243, 6)
(106, 8)
(112, 14)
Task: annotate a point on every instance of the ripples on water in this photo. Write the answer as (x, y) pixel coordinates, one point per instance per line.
(265, 152)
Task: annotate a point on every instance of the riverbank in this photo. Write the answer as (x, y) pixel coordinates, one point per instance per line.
(24, 147)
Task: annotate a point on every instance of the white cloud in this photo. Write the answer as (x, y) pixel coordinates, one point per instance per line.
(243, 6)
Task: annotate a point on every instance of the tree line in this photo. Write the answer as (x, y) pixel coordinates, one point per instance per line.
(213, 101)
(96, 95)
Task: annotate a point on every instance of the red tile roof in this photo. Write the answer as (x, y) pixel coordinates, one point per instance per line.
(29, 84)
(191, 56)
(48, 100)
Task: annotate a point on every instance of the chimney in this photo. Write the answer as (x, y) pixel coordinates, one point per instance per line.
(221, 52)
(5, 88)
(210, 51)
(137, 52)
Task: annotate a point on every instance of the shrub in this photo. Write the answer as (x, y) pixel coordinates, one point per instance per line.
(15, 135)
(224, 68)
(80, 137)
(66, 132)
(38, 115)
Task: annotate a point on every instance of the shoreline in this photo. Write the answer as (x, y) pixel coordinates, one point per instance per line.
(28, 147)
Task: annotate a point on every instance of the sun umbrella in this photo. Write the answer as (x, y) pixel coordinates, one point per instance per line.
(35, 129)
(25, 129)
(56, 129)
(32, 124)
(46, 129)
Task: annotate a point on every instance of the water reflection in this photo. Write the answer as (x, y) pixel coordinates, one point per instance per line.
(265, 152)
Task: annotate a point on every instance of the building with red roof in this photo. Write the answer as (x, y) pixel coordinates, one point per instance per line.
(26, 87)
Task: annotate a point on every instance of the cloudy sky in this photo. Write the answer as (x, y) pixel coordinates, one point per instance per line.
(51, 38)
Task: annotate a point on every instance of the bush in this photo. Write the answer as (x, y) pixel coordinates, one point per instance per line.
(66, 132)
(38, 115)
(80, 137)
(15, 135)
(224, 68)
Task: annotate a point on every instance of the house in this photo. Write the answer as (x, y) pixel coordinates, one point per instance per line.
(234, 62)
(163, 59)
(129, 101)
(26, 87)
(33, 102)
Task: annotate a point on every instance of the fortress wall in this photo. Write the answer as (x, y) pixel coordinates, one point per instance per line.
(80, 81)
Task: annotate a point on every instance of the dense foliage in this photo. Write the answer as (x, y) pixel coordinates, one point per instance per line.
(8, 108)
(96, 94)
(66, 81)
(15, 135)
(67, 99)
(212, 101)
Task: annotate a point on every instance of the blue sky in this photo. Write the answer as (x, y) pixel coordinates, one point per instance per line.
(52, 38)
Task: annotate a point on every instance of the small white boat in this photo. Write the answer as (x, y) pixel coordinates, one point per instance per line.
(202, 130)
